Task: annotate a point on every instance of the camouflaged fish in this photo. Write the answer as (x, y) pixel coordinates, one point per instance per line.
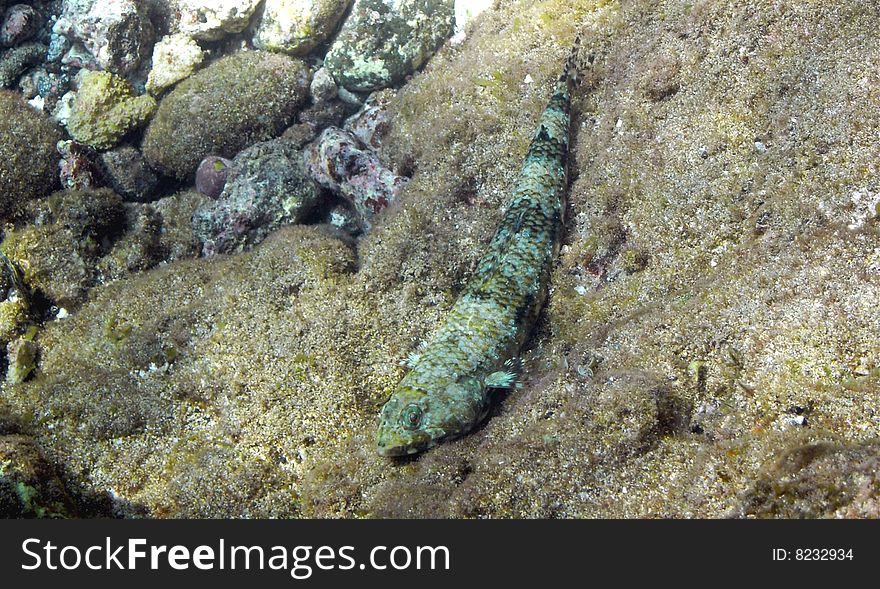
(448, 391)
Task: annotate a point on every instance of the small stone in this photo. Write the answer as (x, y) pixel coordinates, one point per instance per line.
(370, 124)
(349, 97)
(22, 357)
(63, 108)
(58, 47)
(345, 219)
(129, 175)
(76, 170)
(14, 62)
(297, 26)
(20, 23)
(175, 57)
(323, 87)
(211, 175)
(78, 57)
(323, 115)
(300, 134)
(106, 109)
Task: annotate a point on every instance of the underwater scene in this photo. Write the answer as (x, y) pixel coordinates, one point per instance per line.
(440, 259)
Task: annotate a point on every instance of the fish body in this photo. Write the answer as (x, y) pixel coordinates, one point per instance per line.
(447, 391)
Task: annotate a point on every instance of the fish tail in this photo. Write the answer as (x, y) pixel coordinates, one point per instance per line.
(576, 65)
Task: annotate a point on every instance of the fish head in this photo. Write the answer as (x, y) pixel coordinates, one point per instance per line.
(414, 419)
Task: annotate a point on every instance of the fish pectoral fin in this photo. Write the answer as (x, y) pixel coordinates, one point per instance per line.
(503, 379)
(412, 359)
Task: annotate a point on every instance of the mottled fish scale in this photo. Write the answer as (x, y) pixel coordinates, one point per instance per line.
(446, 393)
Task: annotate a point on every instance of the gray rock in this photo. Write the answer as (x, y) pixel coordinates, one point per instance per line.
(297, 26)
(384, 40)
(129, 175)
(267, 187)
(118, 33)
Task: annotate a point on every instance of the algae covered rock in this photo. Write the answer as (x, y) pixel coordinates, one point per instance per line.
(267, 186)
(128, 174)
(236, 101)
(176, 238)
(106, 109)
(21, 355)
(297, 26)
(382, 41)
(14, 62)
(28, 159)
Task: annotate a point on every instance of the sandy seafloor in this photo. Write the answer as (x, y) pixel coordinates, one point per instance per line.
(710, 344)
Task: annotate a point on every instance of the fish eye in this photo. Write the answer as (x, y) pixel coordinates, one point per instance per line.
(411, 416)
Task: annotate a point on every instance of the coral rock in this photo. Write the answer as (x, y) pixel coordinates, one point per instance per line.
(211, 20)
(175, 58)
(339, 161)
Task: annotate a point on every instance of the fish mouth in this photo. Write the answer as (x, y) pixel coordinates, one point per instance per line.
(392, 444)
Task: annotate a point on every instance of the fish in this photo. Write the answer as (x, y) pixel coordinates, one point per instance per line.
(448, 390)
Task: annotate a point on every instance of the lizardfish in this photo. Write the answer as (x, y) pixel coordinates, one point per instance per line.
(447, 391)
